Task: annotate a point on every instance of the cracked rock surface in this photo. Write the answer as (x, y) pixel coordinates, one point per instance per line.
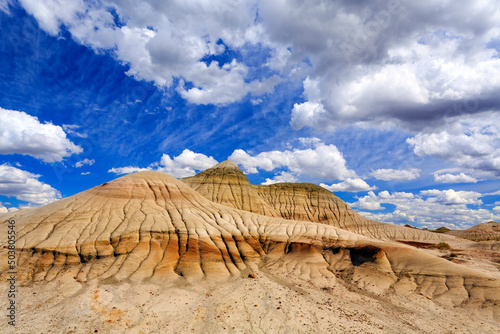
(147, 253)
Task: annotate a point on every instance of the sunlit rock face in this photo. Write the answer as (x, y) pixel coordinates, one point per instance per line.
(481, 232)
(226, 184)
(216, 235)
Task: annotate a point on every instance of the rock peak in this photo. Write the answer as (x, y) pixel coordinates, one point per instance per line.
(226, 164)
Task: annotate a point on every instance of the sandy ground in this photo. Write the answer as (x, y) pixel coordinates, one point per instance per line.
(475, 255)
(267, 303)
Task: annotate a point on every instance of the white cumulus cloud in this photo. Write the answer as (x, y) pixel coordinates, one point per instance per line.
(376, 61)
(396, 174)
(84, 162)
(324, 161)
(454, 178)
(399, 62)
(432, 208)
(21, 133)
(472, 143)
(450, 196)
(4, 209)
(349, 185)
(185, 164)
(307, 114)
(281, 178)
(373, 202)
(163, 41)
(25, 186)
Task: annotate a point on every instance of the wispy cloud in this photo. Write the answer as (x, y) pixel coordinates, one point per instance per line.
(71, 130)
(84, 162)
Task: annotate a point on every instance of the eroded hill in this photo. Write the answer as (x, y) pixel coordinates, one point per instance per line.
(226, 184)
(239, 261)
(481, 232)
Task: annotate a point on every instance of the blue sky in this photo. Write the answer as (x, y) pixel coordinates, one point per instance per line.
(393, 106)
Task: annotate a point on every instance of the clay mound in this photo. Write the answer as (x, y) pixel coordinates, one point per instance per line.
(150, 225)
(150, 228)
(226, 184)
(480, 232)
(442, 229)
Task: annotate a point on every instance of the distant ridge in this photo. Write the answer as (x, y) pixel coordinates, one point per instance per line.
(481, 232)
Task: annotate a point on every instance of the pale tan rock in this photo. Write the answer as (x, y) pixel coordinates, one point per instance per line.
(481, 232)
(226, 184)
(104, 254)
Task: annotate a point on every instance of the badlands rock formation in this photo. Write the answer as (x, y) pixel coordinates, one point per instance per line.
(148, 253)
(480, 232)
(226, 184)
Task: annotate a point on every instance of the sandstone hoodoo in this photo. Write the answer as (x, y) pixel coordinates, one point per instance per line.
(213, 253)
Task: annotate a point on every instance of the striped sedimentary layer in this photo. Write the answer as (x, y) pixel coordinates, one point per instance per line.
(150, 226)
(481, 232)
(226, 184)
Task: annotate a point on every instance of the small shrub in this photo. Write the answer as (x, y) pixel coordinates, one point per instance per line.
(443, 245)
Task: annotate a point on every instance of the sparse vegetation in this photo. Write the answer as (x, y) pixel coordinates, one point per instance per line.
(443, 245)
